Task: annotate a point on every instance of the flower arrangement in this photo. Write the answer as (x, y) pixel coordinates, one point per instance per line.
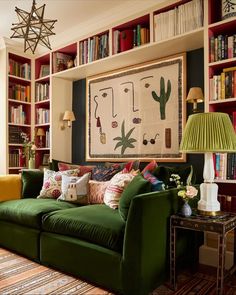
(28, 146)
(186, 193)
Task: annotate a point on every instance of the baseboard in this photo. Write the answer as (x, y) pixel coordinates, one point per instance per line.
(209, 255)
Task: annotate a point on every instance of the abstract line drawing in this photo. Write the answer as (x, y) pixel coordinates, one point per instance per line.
(146, 85)
(152, 140)
(112, 100)
(132, 91)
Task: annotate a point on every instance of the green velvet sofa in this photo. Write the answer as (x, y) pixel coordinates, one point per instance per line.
(93, 242)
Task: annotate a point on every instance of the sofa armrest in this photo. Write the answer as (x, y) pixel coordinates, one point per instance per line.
(10, 187)
(146, 241)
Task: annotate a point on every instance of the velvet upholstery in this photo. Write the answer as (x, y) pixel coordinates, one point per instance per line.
(32, 182)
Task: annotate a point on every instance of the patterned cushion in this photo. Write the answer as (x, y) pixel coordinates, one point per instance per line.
(102, 173)
(52, 183)
(75, 189)
(150, 167)
(115, 188)
(132, 165)
(83, 169)
(157, 185)
(97, 191)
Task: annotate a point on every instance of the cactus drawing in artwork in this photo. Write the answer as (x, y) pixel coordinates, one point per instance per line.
(163, 98)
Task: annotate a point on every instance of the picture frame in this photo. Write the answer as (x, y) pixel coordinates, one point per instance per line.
(46, 158)
(44, 71)
(138, 112)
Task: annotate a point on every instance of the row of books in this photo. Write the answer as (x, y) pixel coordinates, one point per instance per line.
(222, 47)
(129, 38)
(17, 115)
(41, 91)
(181, 19)
(15, 134)
(18, 69)
(19, 92)
(225, 166)
(42, 116)
(227, 203)
(93, 48)
(224, 85)
(47, 138)
(16, 158)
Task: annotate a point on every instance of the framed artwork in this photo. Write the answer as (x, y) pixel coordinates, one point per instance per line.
(44, 71)
(45, 159)
(137, 112)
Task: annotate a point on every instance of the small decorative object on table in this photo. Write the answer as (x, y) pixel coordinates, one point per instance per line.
(186, 193)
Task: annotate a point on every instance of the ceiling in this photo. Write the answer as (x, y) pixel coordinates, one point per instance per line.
(74, 17)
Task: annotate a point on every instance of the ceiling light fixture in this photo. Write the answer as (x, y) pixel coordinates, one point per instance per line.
(33, 27)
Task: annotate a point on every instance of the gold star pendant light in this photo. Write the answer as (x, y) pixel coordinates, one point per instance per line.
(33, 27)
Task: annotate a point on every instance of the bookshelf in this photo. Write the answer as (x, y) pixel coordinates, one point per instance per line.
(19, 108)
(220, 83)
(42, 106)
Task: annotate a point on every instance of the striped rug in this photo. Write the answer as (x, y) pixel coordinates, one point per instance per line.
(21, 276)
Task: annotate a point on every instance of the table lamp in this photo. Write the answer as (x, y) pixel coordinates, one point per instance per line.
(208, 133)
(40, 133)
(195, 96)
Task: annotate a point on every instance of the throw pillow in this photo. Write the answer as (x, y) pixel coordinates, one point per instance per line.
(32, 181)
(102, 173)
(156, 184)
(75, 189)
(150, 167)
(185, 172)
(83, 169)
(138, 185)
(52, 183)
(134, 165)
(96, 191)
(115, 188)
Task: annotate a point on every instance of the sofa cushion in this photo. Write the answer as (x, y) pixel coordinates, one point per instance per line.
(10, 187)
(32, 181)
(29, 211)
(96, 191)
(97, 224)
(137, 186)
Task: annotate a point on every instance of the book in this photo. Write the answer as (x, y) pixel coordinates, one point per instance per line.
(126, 40)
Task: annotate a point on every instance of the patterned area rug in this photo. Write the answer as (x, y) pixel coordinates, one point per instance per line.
(19, 276)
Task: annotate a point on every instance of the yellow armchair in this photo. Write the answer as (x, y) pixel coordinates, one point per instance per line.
(10, 187)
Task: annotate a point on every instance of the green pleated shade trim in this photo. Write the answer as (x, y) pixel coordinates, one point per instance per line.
(208, 132)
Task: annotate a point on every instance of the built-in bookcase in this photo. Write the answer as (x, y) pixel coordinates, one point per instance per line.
(42, 106)
(221, 84)
(19, 109)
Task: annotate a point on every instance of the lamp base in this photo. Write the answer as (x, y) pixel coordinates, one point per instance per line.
(208, 204)
(209, 213)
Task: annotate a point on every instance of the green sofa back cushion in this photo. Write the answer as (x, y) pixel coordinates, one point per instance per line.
(32, 181)
(138, 185)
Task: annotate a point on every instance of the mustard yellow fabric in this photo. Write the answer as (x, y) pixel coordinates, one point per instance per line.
(10, 187)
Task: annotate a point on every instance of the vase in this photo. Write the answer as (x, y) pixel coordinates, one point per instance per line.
(228, 8)
(186, 210)
(31, 163)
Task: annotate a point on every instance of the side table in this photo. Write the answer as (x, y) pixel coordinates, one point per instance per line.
(220, 225)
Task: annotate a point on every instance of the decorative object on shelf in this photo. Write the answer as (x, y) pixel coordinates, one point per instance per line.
(228, 8)
(44, 70)
(40, 133)
(186, 209)
(33, 28)
(208, 133)
(29, 149)
(186, 194)
(68, 117)
(195, 96)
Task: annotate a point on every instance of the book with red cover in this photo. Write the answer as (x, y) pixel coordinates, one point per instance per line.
(126, 40)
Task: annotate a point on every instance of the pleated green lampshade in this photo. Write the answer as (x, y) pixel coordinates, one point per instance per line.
(208, 132)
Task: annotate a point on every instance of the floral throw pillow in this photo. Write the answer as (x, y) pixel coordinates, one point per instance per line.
(96, 191)
(52, 183)
(75, 189)
(102, 173)
(115, 188)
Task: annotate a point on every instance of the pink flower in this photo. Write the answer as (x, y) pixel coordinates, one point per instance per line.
(191, 191)
(56, 193)
(57, 177)
(46, 184)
